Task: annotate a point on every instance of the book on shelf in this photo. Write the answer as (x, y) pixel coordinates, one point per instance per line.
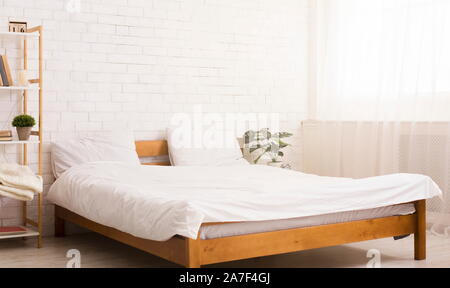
(7, 71)
(5, 133)
(3, 73)
(12, 231)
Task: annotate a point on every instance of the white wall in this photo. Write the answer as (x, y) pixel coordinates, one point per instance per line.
(134, 63)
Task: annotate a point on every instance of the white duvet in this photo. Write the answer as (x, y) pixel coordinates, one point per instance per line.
(156, 202)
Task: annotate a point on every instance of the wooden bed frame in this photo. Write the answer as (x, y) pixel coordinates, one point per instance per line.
(195, 253)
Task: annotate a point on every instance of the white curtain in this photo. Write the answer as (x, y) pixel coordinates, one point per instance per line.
(380, 101)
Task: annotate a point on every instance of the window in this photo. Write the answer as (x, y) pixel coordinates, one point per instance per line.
(383, 60)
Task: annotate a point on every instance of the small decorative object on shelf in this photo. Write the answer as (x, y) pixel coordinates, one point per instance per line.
(20, 27)
(22, 78)
(265, 144)
(24, 123)
(5, 72)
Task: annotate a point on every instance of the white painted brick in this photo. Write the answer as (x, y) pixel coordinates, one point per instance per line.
(139, 68)
(102, 28)
(108, 107)
(150, 78)
(101, 116)
(122, 30)
(88, 126)
(99, 96)
(124, 78)
(99, 77)
(38, 13)
(82, 107)
(105, 8)
(85, 17)
(128, 49)
(130, 11)
(111, 19)
(58, 65)
(74, 116)
(76, 46)
(158, 51)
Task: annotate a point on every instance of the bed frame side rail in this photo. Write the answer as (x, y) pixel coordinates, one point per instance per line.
(287, 241)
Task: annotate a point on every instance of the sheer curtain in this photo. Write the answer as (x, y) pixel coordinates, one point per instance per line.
(381, 93)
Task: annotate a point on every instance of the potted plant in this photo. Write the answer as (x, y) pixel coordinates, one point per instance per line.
(264, 143)
(23, 124)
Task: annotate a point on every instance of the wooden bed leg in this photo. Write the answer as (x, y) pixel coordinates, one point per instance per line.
(192, 253)
(420, 237)
(59, 227)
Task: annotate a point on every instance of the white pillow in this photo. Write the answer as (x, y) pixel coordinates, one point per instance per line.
(105, 147)
(214, 149)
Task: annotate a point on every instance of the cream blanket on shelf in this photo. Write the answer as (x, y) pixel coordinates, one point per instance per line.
(19, 182)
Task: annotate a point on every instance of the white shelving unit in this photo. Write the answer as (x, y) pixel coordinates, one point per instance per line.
(34, 228)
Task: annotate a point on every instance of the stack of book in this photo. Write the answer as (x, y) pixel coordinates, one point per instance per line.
(4, 231)
(5, 72)
(5, 135)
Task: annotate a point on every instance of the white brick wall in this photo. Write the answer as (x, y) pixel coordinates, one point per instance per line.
(133, 63)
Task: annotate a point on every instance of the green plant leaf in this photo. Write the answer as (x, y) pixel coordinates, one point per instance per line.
(249, 136)
(263, 134)
(266, 142)
(254, 149)
(274, 148)
(262, 154)
(283, 135)
(282, 144)
(257, 145)
(23, 121)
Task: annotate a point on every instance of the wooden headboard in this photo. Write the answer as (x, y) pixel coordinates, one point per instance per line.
(153, 148)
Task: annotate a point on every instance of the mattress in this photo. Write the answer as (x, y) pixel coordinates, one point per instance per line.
(243, 228)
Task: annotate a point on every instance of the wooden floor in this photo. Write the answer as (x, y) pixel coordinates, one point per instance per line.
(97, 251)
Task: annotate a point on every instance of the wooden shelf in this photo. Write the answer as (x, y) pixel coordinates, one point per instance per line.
(18, 34)
(34, 33)
(30, 233)
(19, 142)
(19, 88)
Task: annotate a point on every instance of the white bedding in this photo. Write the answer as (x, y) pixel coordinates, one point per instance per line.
(156, 202)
